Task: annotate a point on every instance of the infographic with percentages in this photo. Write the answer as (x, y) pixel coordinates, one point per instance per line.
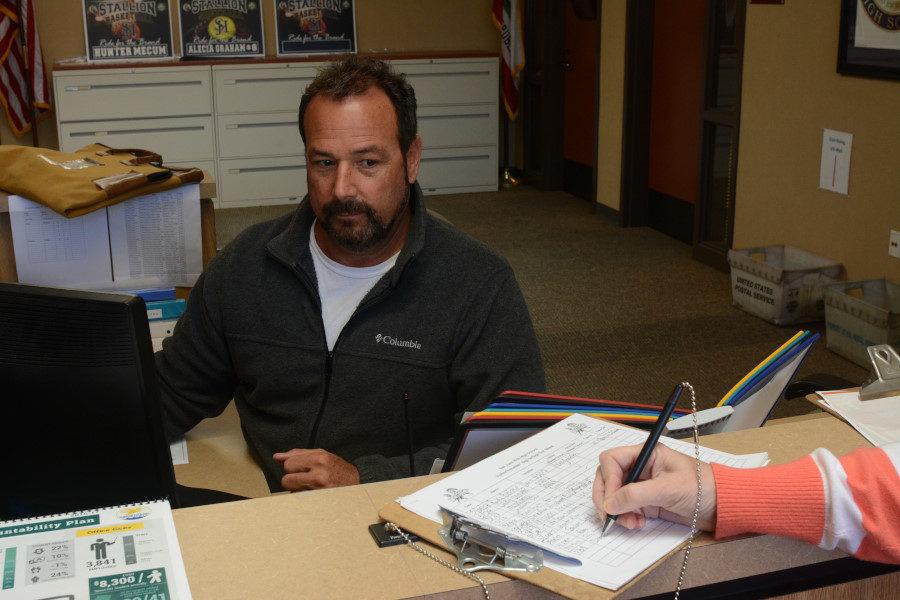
(122, 553)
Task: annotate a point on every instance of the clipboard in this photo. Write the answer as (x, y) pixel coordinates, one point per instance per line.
(545, 578)
(785, 443)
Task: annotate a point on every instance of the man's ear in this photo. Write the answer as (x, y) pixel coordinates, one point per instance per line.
(413, 156)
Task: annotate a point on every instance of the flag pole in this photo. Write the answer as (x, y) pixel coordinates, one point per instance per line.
(27, 91)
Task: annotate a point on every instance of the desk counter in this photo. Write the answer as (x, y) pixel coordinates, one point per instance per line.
(316, 544)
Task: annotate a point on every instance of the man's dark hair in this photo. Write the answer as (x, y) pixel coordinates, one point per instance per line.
(353, 76)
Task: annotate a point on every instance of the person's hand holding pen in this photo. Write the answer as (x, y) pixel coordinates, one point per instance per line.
(667, 488)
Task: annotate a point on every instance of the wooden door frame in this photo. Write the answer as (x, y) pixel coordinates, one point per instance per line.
(636, 113)
(703, 252)
(545, 53)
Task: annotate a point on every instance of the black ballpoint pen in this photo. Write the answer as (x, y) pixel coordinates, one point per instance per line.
(649, 445)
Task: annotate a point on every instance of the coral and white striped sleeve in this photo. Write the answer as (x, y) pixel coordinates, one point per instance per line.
(851, 503)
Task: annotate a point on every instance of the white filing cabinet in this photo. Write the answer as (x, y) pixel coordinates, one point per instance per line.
(260, 151)
(458, 104)
(239, 121)
(165, 109)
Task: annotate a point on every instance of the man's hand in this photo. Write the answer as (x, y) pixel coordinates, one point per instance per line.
(667, 489)
(314, 469)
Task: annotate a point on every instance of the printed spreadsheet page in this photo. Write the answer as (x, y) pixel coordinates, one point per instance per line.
(539, 491)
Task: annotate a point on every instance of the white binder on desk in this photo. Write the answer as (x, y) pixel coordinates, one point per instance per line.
(750, 402)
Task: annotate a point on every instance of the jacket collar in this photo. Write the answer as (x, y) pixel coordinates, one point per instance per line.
(291, 246)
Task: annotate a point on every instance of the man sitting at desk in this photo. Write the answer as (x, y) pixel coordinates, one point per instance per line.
(353, 332)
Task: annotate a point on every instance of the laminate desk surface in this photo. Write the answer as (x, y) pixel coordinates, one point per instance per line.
(317, 545)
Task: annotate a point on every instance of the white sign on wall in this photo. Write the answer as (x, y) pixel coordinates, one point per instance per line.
(834, 171)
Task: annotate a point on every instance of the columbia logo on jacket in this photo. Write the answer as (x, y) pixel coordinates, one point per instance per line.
(392, 341)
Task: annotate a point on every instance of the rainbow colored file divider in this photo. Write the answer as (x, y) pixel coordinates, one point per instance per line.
(744, 388)
(532, 407)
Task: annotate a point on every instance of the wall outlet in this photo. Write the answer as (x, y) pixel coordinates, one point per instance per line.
(894, 247)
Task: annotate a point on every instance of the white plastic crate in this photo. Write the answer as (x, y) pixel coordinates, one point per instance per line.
(781, 284)
(859, 314)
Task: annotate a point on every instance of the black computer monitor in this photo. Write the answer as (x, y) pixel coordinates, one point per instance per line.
(80, 422)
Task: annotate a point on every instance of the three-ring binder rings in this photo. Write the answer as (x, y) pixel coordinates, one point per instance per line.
(539, 492)
(119, 552)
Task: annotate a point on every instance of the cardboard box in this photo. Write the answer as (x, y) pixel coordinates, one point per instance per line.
(781, 284)
(859, 314)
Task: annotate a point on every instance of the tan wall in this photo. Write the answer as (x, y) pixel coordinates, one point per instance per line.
(791, 90)
(612, 91)
(382, 25)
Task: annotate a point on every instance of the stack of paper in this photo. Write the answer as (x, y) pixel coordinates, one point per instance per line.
(149, 241)
(539, 491)
(876, 420)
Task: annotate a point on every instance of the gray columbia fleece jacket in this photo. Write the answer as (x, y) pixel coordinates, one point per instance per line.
(447, 325)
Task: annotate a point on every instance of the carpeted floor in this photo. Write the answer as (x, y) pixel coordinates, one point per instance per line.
(619, 313)
(624, 313)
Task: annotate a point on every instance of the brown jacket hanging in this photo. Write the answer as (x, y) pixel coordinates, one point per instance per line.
(76, 183)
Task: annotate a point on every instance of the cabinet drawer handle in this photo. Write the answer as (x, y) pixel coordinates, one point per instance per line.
(264, 169)
(134, 131)
(456, 116)
(456, 158)
(149, 84)
(256, 80)
(267, 124)
(448, 74)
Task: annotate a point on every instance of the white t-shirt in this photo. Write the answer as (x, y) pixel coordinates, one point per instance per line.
(342, 288)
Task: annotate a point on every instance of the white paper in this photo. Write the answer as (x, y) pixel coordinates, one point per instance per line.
(129, 551)
(539, 491)
(179, 452)
(834, 168)
(51, 249)
(876, 420)
(156, 240)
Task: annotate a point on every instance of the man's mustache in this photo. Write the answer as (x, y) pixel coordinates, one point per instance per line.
(349, 206)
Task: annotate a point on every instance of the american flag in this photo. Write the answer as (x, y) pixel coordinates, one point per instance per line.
(17, 94)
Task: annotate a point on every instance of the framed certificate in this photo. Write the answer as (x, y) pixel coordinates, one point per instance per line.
(870, 38)
(127, 31)
(320, 27)
(221, 28)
